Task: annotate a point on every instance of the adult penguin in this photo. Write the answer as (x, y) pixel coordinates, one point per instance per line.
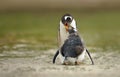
(67, 22)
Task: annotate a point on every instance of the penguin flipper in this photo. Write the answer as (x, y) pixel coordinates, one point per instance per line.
(55, 56)
(90, 57)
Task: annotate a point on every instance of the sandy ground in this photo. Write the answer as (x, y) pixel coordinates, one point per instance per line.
(40, 65)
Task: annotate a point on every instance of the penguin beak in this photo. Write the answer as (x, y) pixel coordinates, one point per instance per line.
(66, 26)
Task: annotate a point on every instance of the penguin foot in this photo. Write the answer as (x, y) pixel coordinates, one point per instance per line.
(77, 63)
(66, 63)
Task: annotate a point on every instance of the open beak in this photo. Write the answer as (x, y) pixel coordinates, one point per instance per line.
(66, 26)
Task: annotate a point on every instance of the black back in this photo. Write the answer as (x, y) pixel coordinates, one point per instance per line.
(73, 46)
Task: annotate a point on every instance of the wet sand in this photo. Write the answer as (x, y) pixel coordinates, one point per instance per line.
(40, 65)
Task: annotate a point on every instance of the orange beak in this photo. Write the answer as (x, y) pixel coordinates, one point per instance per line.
(66, 27)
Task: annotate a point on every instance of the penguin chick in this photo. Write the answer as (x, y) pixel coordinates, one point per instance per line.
(72, 46)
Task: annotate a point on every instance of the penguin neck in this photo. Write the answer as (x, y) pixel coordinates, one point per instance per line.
(63, 34)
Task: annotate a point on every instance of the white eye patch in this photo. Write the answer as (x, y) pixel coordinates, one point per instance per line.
(68, 17)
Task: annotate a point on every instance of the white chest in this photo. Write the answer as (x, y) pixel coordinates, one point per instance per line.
(63, 34)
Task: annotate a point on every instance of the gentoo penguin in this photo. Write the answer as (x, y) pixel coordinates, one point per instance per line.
(66, 21)
(66, 31)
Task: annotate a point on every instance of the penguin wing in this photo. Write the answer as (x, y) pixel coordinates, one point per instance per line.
(55, 56)
(90, 57)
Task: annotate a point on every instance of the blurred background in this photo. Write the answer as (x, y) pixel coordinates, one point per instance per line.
(33, 24)
(28, 37)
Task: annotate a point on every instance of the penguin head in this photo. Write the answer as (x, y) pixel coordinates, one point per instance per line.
(67, 20)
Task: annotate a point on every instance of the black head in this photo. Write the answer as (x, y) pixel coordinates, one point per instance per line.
(67, 18)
